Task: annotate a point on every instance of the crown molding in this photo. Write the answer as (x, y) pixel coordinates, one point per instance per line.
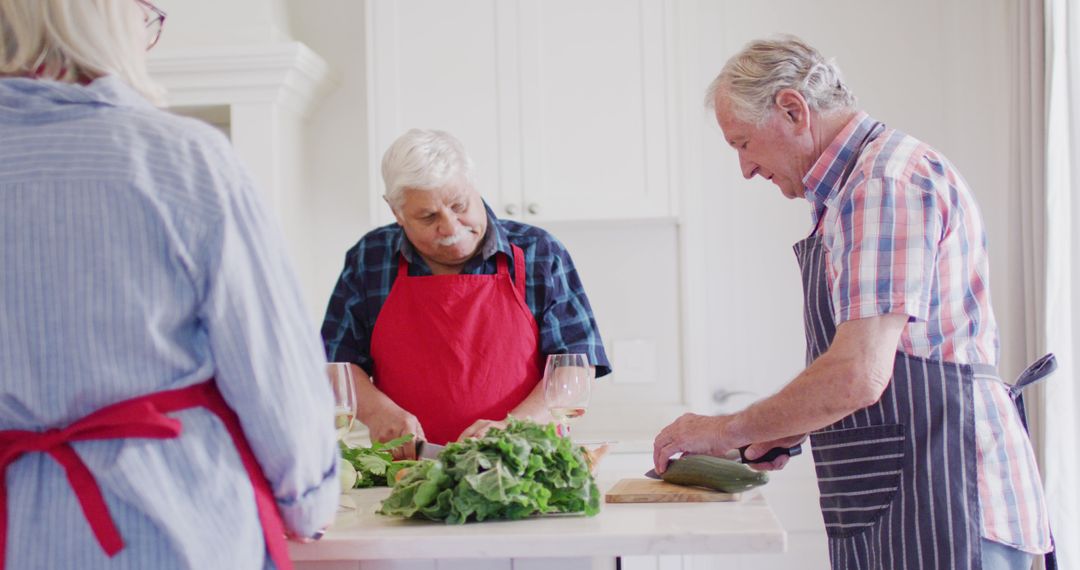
(287, 73)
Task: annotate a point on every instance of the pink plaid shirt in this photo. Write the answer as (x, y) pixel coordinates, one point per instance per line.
(905, 236)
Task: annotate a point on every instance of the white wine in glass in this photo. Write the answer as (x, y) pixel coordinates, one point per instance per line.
(567, 385)
(343, 382)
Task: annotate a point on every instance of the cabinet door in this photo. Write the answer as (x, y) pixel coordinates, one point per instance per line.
(594, 108)
(563, 104)
(435, 64)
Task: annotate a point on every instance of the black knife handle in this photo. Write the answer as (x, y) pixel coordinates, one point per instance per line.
(771, 454)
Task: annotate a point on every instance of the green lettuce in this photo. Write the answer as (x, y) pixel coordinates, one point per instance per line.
(513, 473)
(375, 466)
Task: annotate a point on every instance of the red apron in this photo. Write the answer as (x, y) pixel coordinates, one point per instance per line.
(142, 417)
(453, 349)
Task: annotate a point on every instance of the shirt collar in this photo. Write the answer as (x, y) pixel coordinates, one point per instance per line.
(495, 241)
(822, 181)
(45, 95)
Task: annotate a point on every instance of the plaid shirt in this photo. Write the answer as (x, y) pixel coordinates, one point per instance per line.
(905, 236)
(553, 291)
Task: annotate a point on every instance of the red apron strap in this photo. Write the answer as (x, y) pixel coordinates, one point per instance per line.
(502, 268)
(402, 266)
(519, 269)
(142, 417)
(273, 527)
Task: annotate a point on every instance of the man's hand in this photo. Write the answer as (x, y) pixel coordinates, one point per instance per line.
(390, 421)
(850, 376)
(758, 449)
(385, 419)
(693, 433)
(480, 427)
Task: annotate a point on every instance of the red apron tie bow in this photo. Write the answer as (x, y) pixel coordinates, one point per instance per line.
(142, 417)
(138, 420)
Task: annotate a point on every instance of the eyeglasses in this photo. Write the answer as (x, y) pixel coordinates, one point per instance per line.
(155, 21)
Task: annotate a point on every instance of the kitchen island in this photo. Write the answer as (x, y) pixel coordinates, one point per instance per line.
(566, 541)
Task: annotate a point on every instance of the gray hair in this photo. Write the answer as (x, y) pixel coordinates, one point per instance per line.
(752, 78)
(67, 40)
(424, 159)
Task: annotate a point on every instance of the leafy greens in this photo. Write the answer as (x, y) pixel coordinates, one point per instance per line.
(375, 466)
(509, 473)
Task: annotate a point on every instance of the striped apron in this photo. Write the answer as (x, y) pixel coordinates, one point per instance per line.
(898, 479)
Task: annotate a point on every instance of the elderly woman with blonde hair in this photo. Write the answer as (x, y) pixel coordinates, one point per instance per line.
(163, 402)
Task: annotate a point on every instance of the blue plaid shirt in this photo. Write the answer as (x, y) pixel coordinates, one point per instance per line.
(553, 290)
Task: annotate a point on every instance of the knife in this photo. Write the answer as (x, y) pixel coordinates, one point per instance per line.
(428, 450)
(769, 456)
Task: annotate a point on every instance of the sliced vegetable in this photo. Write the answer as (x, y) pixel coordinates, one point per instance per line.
(715, 473)
(346, 474)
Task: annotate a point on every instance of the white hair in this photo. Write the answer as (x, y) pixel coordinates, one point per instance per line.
(751, 79)
(68, 40)
(424, 159)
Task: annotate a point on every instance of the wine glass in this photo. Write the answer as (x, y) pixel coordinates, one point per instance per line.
(343, 383)
(567, 385)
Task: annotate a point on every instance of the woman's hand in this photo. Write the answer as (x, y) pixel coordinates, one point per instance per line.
(290, 535)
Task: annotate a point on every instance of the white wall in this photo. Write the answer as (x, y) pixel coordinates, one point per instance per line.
(335, 146)
(206, 23)
(939, 70)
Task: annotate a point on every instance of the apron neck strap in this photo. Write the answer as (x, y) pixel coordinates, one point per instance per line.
(519, 269)
(503, 267)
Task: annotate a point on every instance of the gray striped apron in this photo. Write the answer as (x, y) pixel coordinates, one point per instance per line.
(898, 479)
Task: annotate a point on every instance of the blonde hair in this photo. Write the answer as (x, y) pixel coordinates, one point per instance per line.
(751, 79)
(424, 159)
(67, 40)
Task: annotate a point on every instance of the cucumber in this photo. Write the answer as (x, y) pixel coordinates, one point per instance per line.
(714, 473)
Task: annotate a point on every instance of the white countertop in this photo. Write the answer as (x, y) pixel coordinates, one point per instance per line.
(745, 526)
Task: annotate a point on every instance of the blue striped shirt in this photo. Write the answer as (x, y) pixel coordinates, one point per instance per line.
(553, 290)
(137, 258)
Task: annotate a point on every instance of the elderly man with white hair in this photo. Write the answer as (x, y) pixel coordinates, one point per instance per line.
(450, 311)
(923, 460)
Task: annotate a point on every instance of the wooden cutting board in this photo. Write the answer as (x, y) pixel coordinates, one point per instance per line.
(654, 491)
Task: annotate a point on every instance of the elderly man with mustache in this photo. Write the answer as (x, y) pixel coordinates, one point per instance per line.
(450, 312)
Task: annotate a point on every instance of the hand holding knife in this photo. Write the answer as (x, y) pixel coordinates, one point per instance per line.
(770, 455)
(428, 450)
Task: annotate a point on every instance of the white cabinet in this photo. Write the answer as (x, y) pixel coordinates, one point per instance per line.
(565, 106)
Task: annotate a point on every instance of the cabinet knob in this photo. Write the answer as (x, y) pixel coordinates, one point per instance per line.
(511, 209)
(534, 208)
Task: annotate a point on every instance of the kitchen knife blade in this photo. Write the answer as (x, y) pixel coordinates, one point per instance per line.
(769, 456)
(428, 450)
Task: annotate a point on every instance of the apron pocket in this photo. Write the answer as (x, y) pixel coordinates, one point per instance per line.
(858, 471)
